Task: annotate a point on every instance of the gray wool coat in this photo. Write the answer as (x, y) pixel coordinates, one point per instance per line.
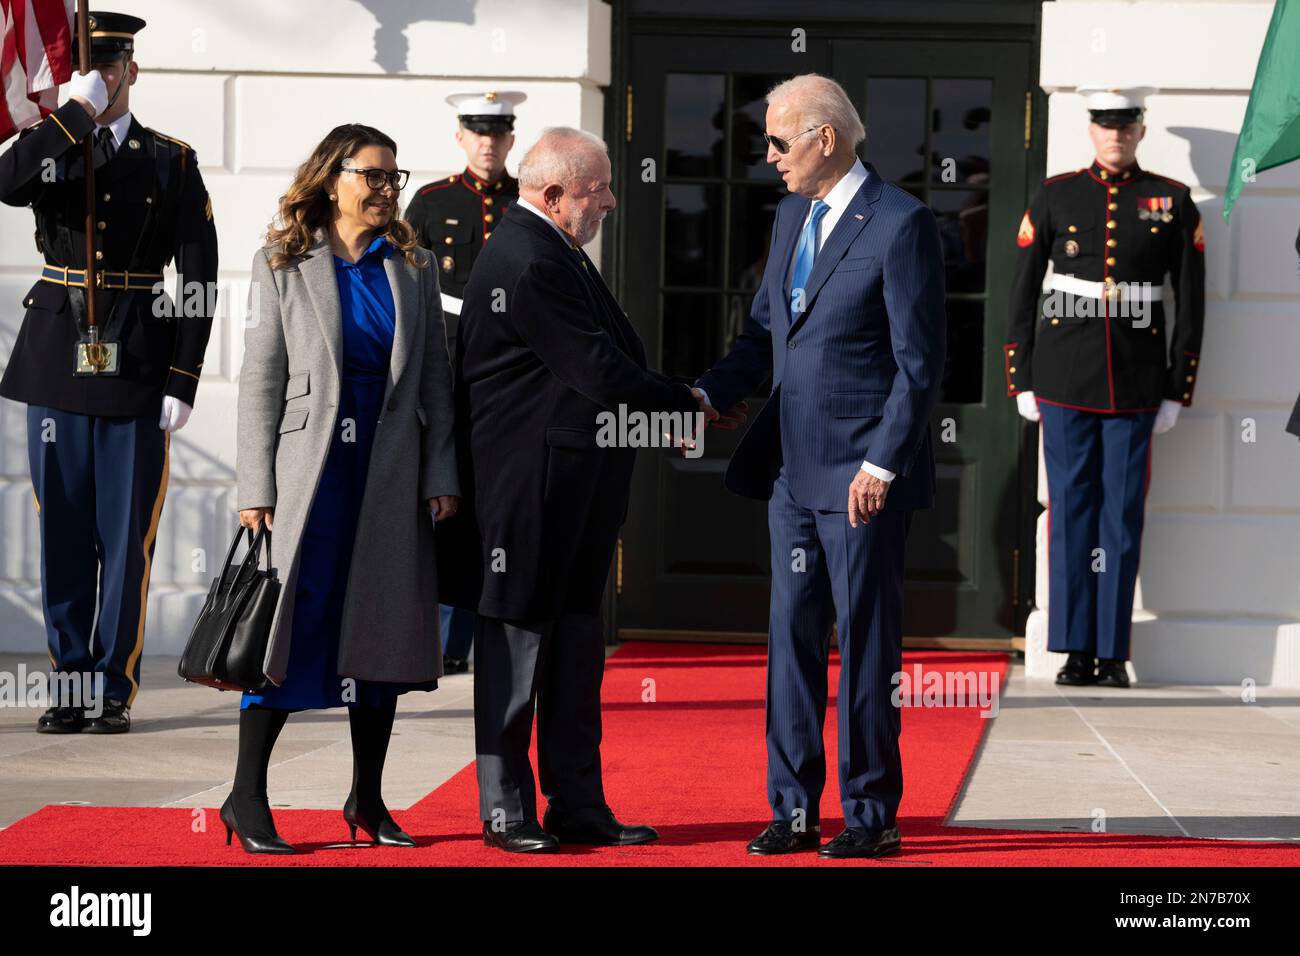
(288, 403)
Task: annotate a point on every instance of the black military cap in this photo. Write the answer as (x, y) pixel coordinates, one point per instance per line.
(111, 35)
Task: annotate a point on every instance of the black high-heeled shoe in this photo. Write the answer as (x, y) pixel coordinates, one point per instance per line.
(252, 842)
(385, 832)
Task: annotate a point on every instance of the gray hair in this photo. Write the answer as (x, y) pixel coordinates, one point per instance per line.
(818, 99)
(559, 156)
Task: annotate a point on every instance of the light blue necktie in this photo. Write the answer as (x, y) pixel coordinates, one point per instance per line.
(803, 259)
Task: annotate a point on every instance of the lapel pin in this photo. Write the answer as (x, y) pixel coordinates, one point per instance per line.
(133, 143)
(857, 215)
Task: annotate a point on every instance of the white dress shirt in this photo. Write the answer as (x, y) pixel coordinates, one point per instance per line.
(838, 200)
(122, 125)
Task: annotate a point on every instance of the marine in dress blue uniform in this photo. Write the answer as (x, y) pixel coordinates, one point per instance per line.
(454, 217)
(98, 421)
(1096, 360)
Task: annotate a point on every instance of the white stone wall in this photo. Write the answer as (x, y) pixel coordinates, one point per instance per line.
(253, 86)
(1219, 587)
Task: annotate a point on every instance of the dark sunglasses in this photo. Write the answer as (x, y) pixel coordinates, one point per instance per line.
(376, 177)
(783, 147)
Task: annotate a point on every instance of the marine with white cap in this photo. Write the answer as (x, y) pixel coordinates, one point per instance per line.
(1095, 361)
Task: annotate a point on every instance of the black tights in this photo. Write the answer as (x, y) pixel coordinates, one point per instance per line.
(259, 728)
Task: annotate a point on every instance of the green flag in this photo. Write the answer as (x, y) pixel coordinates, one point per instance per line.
(1270, 134)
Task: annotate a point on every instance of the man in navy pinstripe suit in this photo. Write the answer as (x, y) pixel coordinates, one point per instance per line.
(849, 320)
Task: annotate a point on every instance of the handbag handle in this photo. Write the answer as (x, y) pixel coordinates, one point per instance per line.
(253, 555)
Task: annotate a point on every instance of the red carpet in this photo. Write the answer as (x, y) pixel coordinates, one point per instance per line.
(691, 762)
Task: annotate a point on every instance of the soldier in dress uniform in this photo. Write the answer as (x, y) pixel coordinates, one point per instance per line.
(101, 402)
(454, 217)
(1096, 359)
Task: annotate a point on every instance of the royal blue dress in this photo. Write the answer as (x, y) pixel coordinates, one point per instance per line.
(368, 321)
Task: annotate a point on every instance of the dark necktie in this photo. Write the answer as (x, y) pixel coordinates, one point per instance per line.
(104, 145)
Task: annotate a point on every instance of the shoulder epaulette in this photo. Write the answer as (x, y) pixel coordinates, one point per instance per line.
(1059, 176)
(1172, 182)
(433, 186)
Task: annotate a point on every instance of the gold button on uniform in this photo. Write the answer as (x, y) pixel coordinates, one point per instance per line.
(1189, 378)
(1186, 395)
(1155, 228)
(1192, 362)
(148, 199)
(1112, 243)
(1011, 352)
(1110, 261)
(487, 200)
(487, 217)
(487, 236)
(1074, 229)
(447, 240)
(1111, 223)
(99, 254)
(101, 225)
(107, 197)
(1056, 321)
(1105, 175)
(1112, 206)
(1013, 369)
(1114, 190)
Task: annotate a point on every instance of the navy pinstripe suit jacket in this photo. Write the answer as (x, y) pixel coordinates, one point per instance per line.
(857, 375)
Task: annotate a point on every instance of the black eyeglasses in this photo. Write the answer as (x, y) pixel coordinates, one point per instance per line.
(783, 147)
(376, 177)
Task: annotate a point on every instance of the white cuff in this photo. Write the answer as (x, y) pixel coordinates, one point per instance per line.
(883, 474)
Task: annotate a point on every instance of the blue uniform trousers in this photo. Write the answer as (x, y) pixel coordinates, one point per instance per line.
(1098, 467)
(99, 484)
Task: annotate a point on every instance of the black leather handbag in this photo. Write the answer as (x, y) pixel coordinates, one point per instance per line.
(228, 643)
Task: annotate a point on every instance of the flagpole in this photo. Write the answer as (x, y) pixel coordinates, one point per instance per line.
(88, 155)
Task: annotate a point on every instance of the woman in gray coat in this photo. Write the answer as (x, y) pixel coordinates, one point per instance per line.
(345, 450)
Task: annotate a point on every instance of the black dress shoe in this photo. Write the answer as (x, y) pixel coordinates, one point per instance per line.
(455, 665)
(856, 841)
(61, 720)
(1080, 668)
(1112, 673)
(780, 837)
(595, 826)
(522, 837)
(378, 824)
(254, 836)
(115, 719)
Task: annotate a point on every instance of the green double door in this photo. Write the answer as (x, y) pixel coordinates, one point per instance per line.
(947, 121)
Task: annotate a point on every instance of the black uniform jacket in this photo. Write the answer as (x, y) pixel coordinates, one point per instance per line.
(150, 207)
(1104, 354)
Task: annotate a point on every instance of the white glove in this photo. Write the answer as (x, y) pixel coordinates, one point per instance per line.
(90, 87)
(1166, 417)
(1027, 406)
(175, 414)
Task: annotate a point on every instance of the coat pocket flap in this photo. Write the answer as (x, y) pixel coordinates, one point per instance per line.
(848, 264)
(558, 436)
(858, 404)
(293, 420)
(299, 384)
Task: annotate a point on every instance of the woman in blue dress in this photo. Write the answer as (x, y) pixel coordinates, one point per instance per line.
(345, 193)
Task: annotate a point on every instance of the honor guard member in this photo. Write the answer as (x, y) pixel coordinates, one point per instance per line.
(101, 402)
(1098, 360)
(454, 217)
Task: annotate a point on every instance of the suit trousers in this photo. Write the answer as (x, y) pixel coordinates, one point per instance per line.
(99, 484)
(824, 571)
(557, 666)
(1098, 468)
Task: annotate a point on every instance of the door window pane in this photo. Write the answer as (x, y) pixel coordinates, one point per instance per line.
(748, 123)
(753, 210)
(963, 216)
(690, 332)
(693, 116)
(963, 373)
(895, 142)
(693, 235)
(959, 139)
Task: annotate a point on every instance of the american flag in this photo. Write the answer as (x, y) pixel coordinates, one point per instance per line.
(37, 57)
